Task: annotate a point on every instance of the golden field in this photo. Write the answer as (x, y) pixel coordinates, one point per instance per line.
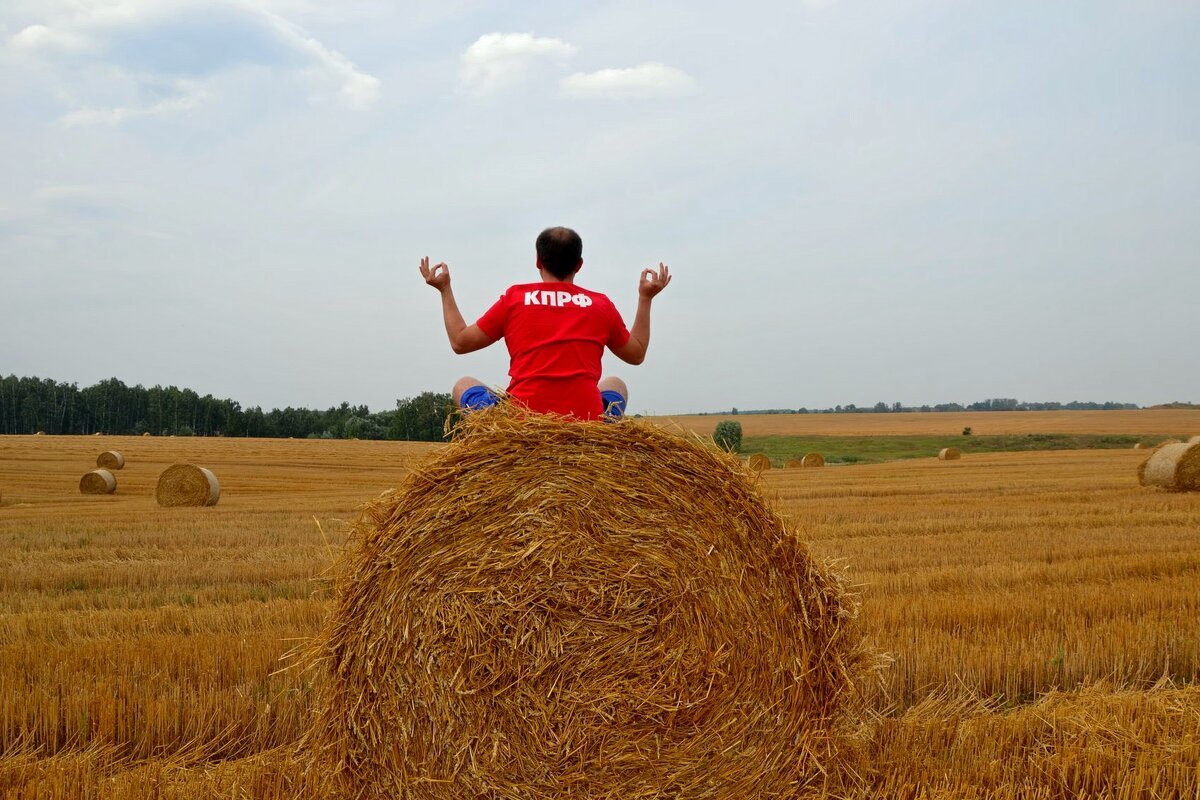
(1136, 422)
(1041, 610)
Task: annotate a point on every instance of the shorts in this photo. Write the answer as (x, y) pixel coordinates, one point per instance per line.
(478, 397)
(614, 405)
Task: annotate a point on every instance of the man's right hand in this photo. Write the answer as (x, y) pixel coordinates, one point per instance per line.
(653, 281)
(437, 276)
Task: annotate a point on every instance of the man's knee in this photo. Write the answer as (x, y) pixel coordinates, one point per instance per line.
(462, 385)
(615, 395)
(611, 383)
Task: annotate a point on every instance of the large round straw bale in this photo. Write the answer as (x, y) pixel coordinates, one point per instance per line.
(813, 460)
(110, 459)
(187, 485)
(98, 481)
(759, 462)
(548, 609)
(949, 454)
(1194, 440)
(1173, 466)
(1166, 442)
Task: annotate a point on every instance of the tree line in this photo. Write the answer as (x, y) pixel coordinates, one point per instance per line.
(30, 405)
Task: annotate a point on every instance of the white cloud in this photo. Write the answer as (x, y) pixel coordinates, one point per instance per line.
(189, 98)
(358, 89)
(499, 60)
(642, 81)
(146, 44)
(37, 39)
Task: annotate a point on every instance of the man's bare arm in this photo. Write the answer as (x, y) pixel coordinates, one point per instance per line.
(651, 283)
(464, 338)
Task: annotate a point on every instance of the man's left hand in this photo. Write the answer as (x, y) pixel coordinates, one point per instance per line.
(437, 276)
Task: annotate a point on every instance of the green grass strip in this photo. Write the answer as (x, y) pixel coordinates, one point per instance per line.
(877, 449)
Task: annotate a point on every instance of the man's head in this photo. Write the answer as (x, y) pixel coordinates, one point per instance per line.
(559, 252)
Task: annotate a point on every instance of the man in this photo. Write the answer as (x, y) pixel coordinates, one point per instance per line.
(556, 332)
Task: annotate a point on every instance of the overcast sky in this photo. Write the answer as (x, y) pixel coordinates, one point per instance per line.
(861, 200)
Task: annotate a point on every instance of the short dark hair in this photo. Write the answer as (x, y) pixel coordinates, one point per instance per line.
(560, 250)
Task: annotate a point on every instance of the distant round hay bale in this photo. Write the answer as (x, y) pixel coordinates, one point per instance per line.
(110, 459)
(98, 481)
(147, 433)
(759, 462)
(1173, 466)
(813, 460)
(40, 433)
(187, 485)
(793, 463)
(1139, 446)
(949, 454)
(548, 609)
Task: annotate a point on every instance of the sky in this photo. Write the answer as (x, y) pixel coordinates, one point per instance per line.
(859, 200)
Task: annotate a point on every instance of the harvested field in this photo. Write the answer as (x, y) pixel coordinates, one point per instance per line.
(1042, 611)
(1149, 422)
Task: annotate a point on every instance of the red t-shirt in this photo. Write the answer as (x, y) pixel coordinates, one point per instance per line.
(556, 334)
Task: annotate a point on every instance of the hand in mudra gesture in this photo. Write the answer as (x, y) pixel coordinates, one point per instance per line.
(437, 276)
(654, 280)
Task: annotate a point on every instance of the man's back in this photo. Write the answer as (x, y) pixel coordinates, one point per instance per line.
(556, 334)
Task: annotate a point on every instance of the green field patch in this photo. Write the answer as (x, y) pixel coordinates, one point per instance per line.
(877, 449)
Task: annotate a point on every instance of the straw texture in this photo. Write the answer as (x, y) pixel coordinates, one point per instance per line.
(949, 454)
(813, 460)
(1173, 466)
(98, 481)
(187, 485)
(550, 609)
(110, 459)
(759, 462)
(793, 463)
(1194, 440)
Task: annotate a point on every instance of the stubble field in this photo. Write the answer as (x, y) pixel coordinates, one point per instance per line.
(1040, 609)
